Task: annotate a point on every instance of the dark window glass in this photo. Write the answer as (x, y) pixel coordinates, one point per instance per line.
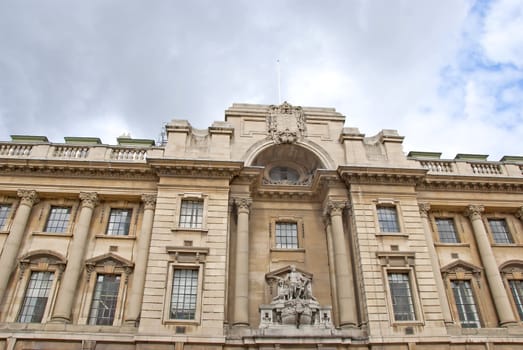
(516, 287)
(286, 235)
(184, 294)
(58, 219)
(35, 299)
(401, 297)
(105, 298)
(500, 232)
(4, 214)
(388, 219)
(447, 230)
(284, 174)
(119, 222)
(191, 213)
(465, 303)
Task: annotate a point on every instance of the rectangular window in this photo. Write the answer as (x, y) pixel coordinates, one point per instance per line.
(447, 230)
(184, 294)
(58, 219)
(191, 213)
(4, 214)
(401, 295)
(286, 235)
(35, 299)
(388, 219)
(500, 232)
(105, 298)
(516, 287)
(465, 303)
(119, 222)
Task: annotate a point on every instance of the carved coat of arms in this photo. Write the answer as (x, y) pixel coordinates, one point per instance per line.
(285, 123)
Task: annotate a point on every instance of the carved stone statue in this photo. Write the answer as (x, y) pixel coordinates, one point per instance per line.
(293, 303)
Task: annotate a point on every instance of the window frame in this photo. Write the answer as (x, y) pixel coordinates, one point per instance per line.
(299, 232)
(67, 228)
(512, 270)
(109, 264)
(108, 224)
(7, 201)
(509, 226)
(45, 311)
(389, 203)
(35, 261)
(177, 215)
(172, 266)
(117, 305)
(454, 304)
(45, 211)
(401, 263)
(458, 271)
(103, 212)
(455, 224)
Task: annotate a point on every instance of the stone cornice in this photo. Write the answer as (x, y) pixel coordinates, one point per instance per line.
(471, 184)
(46, 168)
(381, 175)
(195, 168)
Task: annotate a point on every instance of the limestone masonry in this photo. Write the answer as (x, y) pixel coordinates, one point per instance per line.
(278, 228)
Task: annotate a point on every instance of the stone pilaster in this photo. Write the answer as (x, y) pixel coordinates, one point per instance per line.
(501, 301)
(343, 270)
(140, 263)
(436, 267)
(68, 287)
(241, 290)
(12, 244)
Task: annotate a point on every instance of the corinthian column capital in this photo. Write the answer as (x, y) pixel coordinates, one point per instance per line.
(334, 208)
(424, 209)
(28, 197)
(474, 211)
(149, 200)
(243, 204)
(89, 199)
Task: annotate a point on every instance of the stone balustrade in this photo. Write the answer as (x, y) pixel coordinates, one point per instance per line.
(79, 152)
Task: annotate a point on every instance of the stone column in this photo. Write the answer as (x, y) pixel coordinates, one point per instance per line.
(69, 282)
(241, 290)
(440, 286)
(12, 244)
(332, 272)
(140, 263)
(346, 300)
(501, 300)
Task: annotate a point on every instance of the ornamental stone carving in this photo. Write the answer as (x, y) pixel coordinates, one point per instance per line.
(149, 201)
(89, 199)
(285, 123)
(293, 303)
(28, 197)
(334, 208)
(519, 213)
(474, 212)
(424, 210)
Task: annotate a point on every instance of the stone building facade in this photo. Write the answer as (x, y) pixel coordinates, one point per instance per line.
(278, 228)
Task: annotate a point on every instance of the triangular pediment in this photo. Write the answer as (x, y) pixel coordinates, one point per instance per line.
(461, 266)
(109, 259)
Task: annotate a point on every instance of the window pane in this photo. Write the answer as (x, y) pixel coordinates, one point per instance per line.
(119, 222)
(465, 303)
(388, 219)
(105, 297)
(184, 294)
(500, 231)
(516, 287)
(447, 231)
(401, 297)
(286, 235)
(58, 219)
(4, 214)
(35, 299)
(191, 213)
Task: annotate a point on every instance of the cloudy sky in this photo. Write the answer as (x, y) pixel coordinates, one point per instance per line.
(448, 74)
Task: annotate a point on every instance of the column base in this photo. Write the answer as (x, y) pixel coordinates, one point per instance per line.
(240, 324)
(349, 325)
(508, 324)
(131, 323)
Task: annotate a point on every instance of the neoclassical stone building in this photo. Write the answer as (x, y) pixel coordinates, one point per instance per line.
(278, 228)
